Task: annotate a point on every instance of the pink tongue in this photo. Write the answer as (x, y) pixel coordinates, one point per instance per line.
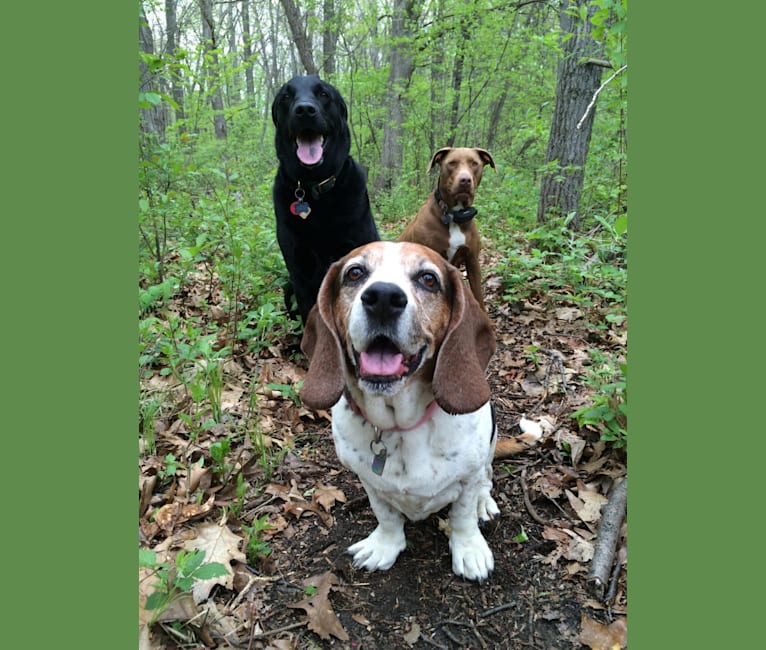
(310, 150)
(380, 363)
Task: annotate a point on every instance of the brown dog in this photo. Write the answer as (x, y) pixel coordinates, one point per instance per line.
(445, 221)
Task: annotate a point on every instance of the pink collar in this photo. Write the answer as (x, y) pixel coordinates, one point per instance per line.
(427, 415)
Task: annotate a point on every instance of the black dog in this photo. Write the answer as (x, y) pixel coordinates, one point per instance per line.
(320, 192)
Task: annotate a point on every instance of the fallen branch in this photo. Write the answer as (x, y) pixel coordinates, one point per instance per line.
(607, 538)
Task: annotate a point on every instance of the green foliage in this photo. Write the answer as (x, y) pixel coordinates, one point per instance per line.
(608, 412)
(257, 547)
(589, 269)
(178, 578)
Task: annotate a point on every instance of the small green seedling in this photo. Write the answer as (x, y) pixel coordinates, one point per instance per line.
(174, 581)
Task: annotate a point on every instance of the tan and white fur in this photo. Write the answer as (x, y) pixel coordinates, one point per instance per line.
(460, 172)
(398, 347)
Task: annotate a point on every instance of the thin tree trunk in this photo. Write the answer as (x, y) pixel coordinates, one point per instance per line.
(568, 145)
(211, 66)
(405, 13)
(302, 41)
(329, 37)
(152, 118)
(176, 89)
(247, 53)
(457, 80)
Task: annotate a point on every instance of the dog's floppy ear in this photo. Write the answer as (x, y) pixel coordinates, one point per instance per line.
(324, 380)
(486, 157)
(459, 383)
(438, 157)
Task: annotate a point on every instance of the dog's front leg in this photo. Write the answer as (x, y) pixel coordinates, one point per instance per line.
(471, 557)
(380, 549)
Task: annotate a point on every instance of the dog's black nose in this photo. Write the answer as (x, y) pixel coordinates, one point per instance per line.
(305, 109)
(384, 301)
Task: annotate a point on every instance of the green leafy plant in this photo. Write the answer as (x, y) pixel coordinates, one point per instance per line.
(256, 546)
(176, 578)
(219, 450)
(170, 468)
(608, 413)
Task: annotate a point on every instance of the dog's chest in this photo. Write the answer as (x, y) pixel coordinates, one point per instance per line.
(456, 240)
(426, 468)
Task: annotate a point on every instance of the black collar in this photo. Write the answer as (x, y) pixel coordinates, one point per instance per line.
(317, 188)
(458, 216)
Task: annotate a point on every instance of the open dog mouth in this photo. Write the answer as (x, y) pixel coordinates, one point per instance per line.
(310, 149)
(383, 362)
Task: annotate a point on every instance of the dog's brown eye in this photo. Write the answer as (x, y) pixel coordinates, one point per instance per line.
(354, 274)
(429, 281)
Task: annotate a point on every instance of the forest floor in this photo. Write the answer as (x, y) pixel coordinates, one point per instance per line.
(305, 593)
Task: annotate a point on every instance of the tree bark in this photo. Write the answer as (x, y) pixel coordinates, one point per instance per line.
(153, 119)
(247, 53)
(302, 41)
(329, 37)
(405, 14)
(176, 89)
(211, 66)
(568, 145)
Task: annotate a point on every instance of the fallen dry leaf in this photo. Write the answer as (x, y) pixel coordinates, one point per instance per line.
(172, 514)
(326, 496)
(321, 616)
(411, 637)
(598, 636)
(587, 504)
(220, 545)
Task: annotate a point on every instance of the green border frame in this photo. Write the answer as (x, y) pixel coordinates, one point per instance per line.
(694, 288)
(69, 325)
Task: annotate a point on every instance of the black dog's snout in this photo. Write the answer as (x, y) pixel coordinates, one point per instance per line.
(384, 301)
(305, 109)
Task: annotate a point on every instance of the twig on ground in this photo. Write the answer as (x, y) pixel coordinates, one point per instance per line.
(607, 538)
(443, 627)
(528, 503)
(432, 642)
(277, 630)
(495, 610)
(610, 594)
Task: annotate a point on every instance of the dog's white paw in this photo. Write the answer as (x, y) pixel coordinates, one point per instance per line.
(379, 550)
(471, 557)
(486, 507)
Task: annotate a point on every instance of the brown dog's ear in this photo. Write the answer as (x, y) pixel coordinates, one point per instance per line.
(324, 380)
(486, 157)
(437, 158)
(460, 383)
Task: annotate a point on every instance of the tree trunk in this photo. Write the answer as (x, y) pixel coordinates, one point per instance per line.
(152, 118)
(457, 80)
(329, 37)
(211, 66)
(247, 53)
(578, 80)
(176, 89)
(302, 41)
(405, 14)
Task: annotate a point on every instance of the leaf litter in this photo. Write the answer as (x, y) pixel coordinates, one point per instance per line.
(313, 508)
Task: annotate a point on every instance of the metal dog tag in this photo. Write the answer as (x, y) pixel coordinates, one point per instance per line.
(379, 456)
(300, 208)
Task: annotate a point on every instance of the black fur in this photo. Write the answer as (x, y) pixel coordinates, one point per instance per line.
(340, 217)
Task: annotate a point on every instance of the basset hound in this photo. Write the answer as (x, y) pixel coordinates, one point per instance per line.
(398, 347)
